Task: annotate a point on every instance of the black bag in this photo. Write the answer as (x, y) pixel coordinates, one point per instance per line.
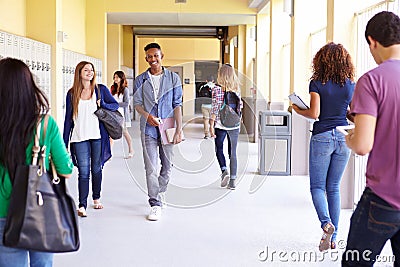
(42, 215)
(205, 90)
(228, 116)
(112, 120)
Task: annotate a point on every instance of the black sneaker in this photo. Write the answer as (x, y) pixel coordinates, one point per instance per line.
(232, 185)
(224, 178)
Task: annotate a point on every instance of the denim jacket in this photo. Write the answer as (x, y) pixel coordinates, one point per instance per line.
(169, 97)
(108, 102)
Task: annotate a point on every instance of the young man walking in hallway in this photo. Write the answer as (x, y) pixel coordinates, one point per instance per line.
(157, 96)
(377, 129)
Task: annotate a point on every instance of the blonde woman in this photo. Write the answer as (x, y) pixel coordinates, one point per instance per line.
(227, 90)
(87, 137)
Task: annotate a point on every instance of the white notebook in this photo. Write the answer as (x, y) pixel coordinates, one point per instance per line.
(170, 134)
(298, 101)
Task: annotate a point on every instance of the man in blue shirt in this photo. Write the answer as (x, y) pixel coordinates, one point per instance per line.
(157, 95)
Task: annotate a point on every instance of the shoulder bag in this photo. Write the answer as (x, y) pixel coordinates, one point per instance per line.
(112, 120)
(42, 214)
(228, 116)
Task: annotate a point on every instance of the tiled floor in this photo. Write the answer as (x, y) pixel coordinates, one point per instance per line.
(267, 221)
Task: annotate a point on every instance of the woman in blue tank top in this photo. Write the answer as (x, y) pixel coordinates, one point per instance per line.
(331, 90)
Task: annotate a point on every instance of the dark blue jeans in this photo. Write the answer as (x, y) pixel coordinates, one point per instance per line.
(233, 137)
(88, 156)
(373, 222)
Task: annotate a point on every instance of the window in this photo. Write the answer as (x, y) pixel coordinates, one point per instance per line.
(365, 61)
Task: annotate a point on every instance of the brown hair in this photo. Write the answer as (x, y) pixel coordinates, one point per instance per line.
(332, 62)
(121, 85)
(77, 87)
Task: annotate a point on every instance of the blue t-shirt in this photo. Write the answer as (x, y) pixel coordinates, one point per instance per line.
(334, 101)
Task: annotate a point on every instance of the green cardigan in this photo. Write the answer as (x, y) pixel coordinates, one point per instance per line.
(54, 145)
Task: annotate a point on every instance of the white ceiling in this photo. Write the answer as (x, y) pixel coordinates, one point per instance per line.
(180, 19)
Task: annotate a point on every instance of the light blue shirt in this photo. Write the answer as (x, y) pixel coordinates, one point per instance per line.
(169, 97)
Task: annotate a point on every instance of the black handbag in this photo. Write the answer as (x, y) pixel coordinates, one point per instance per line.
(42, 214)
(227, 115)
(112, 120)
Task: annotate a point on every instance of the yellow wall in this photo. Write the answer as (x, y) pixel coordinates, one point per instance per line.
(114, 51)
(262, 56)
(305, 25)
(12, 16)
(73, 24)
(179, 50)
(280, 37)
(195, 6)
(96, 32)
(127, 55)
(38, 26)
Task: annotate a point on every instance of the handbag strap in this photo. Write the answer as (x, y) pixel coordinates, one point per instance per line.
(36, 146)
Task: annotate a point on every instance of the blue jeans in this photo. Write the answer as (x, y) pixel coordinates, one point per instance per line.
(156, 183)
(19, 257)
(88, 156)
(373, 222)
(233, 137)
(328, 159)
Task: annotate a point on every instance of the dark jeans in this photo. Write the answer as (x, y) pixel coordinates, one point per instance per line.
(88, 156)
(373, 222)
(233, 136)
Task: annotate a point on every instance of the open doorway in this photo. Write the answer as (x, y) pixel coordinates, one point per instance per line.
(205, 71)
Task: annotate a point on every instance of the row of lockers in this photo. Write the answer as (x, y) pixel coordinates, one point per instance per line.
(35, 54)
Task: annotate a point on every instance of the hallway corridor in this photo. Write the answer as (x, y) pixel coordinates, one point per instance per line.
(204, 225)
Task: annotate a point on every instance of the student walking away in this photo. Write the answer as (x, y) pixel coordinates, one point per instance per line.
(22, 104)
(331, 89)
(158, 95)
(205, 93)
(120, 91)
(86, 136)
(377, 130)
(226, 91)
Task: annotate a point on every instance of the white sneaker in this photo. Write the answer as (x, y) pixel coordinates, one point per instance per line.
(155, 213)
(162, 199)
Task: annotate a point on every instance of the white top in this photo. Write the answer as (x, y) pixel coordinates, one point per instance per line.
(155, 82)
(120, 99)
(86, 124)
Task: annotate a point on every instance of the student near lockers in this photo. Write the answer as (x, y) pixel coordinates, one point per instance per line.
(21, 104)
(86, 136)
(120, 91)
(377, 129)
(331, 89)
(227, 85)
(158, 95)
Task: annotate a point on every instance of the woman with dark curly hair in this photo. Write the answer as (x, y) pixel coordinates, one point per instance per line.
(331, 90)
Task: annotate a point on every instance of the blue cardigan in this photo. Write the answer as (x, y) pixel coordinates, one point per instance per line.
(108, 102)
